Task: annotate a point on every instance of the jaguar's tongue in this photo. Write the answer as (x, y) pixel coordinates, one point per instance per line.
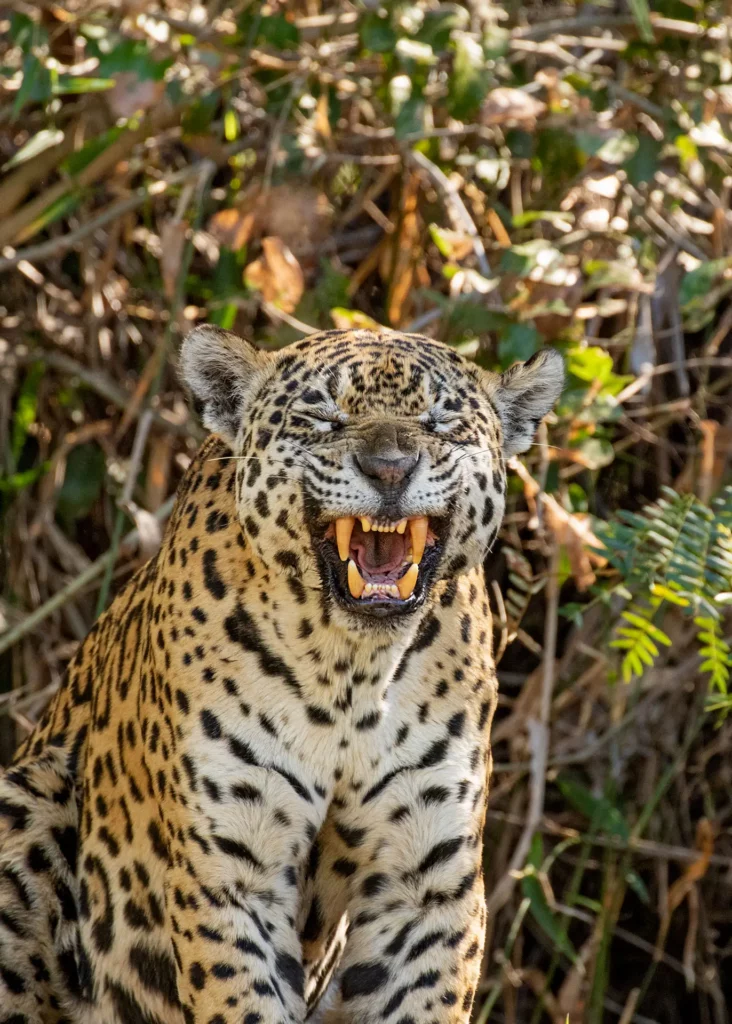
(378, 553)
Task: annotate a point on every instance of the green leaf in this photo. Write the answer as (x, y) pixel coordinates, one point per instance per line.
(25, 32)
(517, 342)
(35, 84)
(412, 51)
(83, 480)
(25, 408)
(132, 56)
(76, 163)
(72, 84)
(613, 149)
(598, 810)
(376, 34)
(410, 118)
(641, 14)
(643, 164)
(35, 145)
(21, 481)
(597, 452)
(469, 80)
(278, 31)
(440, 23)
(522, 259)
(696, 285)
(636, 883)
(63, 205)
(557, 218)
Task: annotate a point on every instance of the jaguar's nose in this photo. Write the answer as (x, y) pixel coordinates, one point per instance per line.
(390, 471)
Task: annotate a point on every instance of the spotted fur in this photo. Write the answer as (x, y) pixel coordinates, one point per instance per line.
(249, 803)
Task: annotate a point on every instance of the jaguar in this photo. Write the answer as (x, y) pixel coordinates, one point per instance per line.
(258, 795)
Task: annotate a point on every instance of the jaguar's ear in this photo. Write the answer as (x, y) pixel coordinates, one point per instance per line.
(222, 371)
(524, 394)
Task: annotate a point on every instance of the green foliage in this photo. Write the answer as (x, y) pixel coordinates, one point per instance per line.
(25, 409)
(83, 481)
(676, 551)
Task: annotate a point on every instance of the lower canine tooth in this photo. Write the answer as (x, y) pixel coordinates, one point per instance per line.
(407, 583)
(343, 531)
(356, 582)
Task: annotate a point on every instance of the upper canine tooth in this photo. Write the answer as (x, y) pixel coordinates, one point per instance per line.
(419, 528)
(407, 583)
(343, 530)
(365, 524)
(401, 526)
(356, 582)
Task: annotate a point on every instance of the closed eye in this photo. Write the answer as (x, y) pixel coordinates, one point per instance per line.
(325, 417)
(440, 422)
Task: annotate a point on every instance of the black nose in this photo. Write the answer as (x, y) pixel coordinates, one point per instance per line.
(388, 471)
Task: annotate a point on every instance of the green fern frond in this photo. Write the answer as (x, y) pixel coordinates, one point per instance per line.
(676, 551)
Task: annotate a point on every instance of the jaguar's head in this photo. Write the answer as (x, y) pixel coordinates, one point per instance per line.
(370, 464)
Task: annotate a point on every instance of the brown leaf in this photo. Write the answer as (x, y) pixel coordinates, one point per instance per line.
(158, 470)
(232, 227)
(130, 95)
(573, 530)
(511, 106)
(300, 215)
(401, 272)
(693, 873)
(321, 120)
(277, 275)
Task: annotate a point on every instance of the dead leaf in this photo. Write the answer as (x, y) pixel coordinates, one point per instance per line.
(505, 106)
(300, 215)
(158, 470)
(232, 227)
(683, 886)
(277, 275)
(130, 95)
(405, 242)
(172, 240)
(573, 530)
(321, 119)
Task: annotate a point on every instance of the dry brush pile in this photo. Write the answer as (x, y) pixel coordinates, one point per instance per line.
(500, 177)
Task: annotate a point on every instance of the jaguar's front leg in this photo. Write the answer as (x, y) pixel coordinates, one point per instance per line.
(233, 896)
(416, 905)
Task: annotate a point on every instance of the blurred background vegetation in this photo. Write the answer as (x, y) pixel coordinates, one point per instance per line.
(502, 177)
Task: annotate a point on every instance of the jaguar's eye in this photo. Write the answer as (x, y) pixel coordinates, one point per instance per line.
(440, 423)
(321, 418)
(326, 424)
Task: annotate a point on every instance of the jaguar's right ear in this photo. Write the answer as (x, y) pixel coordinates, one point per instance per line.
(222, 371)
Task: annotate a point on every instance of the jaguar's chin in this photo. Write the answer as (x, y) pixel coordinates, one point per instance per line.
(377, 568)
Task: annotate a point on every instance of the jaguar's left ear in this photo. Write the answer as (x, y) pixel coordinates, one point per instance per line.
(523, 395)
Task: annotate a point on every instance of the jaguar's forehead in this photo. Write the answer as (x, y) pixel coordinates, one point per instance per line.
(363, 368)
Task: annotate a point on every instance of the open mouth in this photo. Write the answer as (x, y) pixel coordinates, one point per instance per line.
(379, 566)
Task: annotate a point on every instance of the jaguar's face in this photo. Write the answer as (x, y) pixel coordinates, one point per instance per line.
(370, 464)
